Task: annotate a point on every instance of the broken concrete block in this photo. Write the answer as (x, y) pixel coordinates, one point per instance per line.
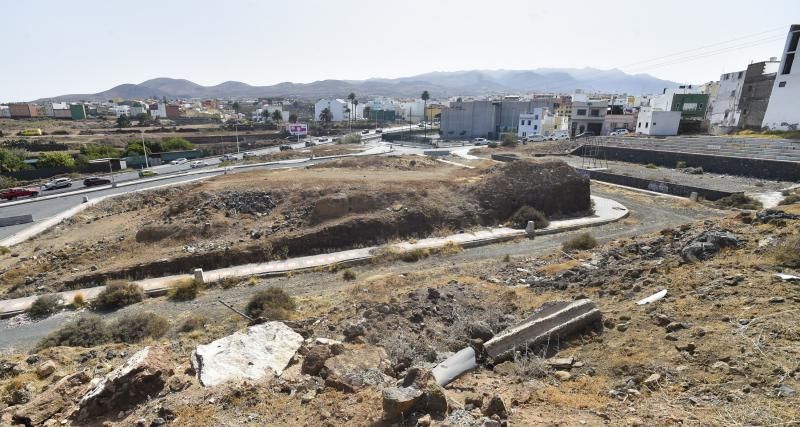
(249, 354)
(549, 323)
(455, 365)
(561, 362)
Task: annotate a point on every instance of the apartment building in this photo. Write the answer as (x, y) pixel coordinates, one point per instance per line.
(742, 97)
(782, 110)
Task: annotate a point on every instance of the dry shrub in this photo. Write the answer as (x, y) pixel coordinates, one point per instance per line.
(787, 253)
(740, 201)
(449, 248)
(118, 295)
(192, 323)
(45, 305)
(186, 290)
(272, 303)
(78, 300)
(87, 331)
(135, 327)
(526, 213)
(4, 250)
(583, 241)
(414, 255)
(349, 275)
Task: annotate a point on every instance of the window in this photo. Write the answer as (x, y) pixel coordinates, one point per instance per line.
(522, 122)
(749, 88)
(726, 76)
(535, 117)
(741, 73)
(726, 115)
(744, 111)
(793, 41)
(581, 112)
(782, 84)
(733, 93)
(595, 113)
(535, 127)
(787, 66)
(640, 125)
(529, 122)
(654, 123)
(646, 125)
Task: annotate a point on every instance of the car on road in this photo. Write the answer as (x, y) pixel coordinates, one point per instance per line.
(180, 161)
(198, 164)
(57, 183)
(558, 136)
(481, 141)
(144, 173)
(286, 147)
(13, 193)
(311, 144)
(294, 137)
(365, 132)
(95, 180)
(379, 130)
(421, 125)
(229, 158)
(619, 132)
(534, 138)
(248, 154)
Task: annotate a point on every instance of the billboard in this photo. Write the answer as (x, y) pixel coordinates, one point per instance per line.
(298, 128)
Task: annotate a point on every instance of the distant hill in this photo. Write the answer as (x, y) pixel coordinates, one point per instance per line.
(471, 82)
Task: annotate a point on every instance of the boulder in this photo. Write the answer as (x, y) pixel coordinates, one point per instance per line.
(46, 369)
(58, 399)
(356, 368)
(495, 406)
(399, 401)
(330, 207)
(480, 330)
(139, 378)
(353, 331)
(250, 354)
(315, 359)
(707, 244)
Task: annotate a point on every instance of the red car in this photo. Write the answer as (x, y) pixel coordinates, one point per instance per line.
(13, 193)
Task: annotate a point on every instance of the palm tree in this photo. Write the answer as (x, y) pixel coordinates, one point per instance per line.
(425, 97)
(351, 97)
(367, 111)
(355, 109)
(265, 115)
(293, 118)
(326, 116)
(277, 116)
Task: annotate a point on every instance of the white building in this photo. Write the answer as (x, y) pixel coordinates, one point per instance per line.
(120, 110)
(658, 123)
(258, 114)
(726, 110)
(137, 109)
(539, 122)
(664, 100)
(412, 110)
(158, 110)
(338, 108)
(783, 110)
(5, 111)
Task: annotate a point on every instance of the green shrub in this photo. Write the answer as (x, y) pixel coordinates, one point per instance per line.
(272, 303)
(526, 213)
(186, 290)
(348, 275)
(87, 331)
(4, 250)
(134, 327)
(583, 241)
(787, 253)
(55, 159)
(193, 322)
(492, 144)
(740, 201)
(680, 165)
(45, 305)
(651, 166)
(118, 295)
(508, 140)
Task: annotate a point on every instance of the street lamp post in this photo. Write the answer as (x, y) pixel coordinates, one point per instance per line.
(144, 149)
(236, 131)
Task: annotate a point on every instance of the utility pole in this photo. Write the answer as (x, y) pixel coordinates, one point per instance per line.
(111, 170)
(236, 130)
(144, 148)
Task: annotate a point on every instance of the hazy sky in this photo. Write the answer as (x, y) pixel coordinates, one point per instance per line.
(55, 47)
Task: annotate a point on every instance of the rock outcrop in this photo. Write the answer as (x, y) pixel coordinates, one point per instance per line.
(56, 402)
(254, 353)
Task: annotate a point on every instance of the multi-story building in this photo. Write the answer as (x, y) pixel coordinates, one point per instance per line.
(173, 110)
(532, 123)
(612, 122)
(337, 107)
(690, 101)
(486, 119)
(5, 112)
(120, 110)
(657, 122)
(783, 112)
(158, 110)
(77, 111)
(587, 115)
(742, 97)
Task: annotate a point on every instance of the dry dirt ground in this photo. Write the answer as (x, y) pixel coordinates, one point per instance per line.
(721, 349)
(257, 216)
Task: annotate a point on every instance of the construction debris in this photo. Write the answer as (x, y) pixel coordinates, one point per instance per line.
(652, 298)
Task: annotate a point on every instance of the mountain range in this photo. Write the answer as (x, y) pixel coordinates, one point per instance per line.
(438, 84)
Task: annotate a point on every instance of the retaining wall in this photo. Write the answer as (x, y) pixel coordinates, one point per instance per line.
(743, 166)
(651, 185)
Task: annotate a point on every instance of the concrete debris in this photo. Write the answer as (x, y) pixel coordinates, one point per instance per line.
(561, 362)
(455, 365)
(249, 354)
(550, 322)
(652, 298)
(562, 375)
(707, 244)
(140, 377)
(56, 400)
(787, 277)
(356, 368)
